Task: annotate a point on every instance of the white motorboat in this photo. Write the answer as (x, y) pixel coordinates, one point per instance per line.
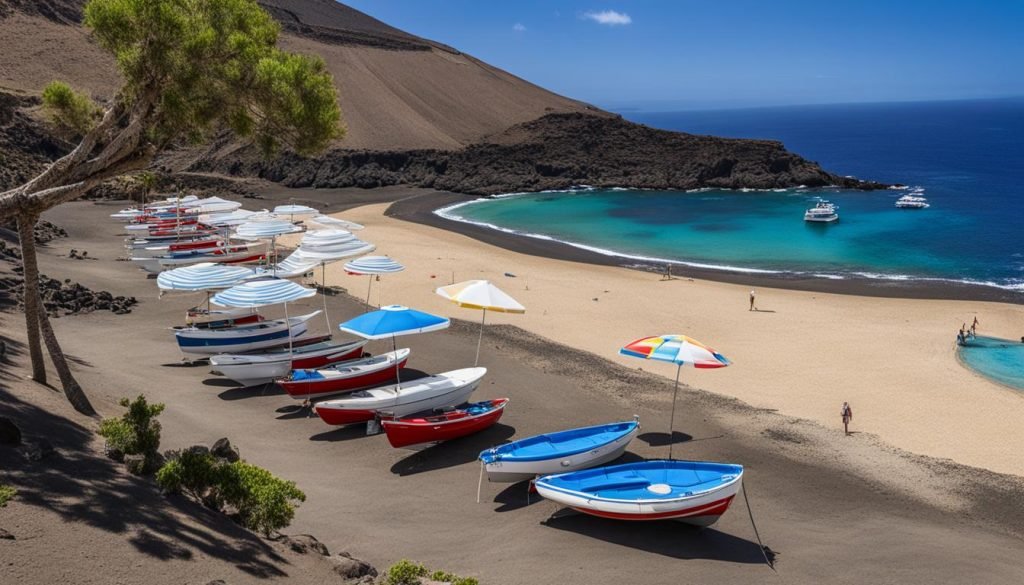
(912, 201)
(822, 212)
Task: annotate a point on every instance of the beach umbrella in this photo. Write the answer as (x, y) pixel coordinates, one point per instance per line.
(260, 293)
(335, 222)
(372, 266)
(293, 211)
(266, 229)
(202, 276)
(480, 294)
(393, 321)
(681, 351)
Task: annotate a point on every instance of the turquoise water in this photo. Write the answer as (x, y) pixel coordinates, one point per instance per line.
(968, 156)
(998, 359)
(753, 231)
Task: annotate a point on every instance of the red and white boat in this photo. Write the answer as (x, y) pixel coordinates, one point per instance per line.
(233, 254)
(695, 492)
(444, 426)
(346, 376)
(447, 389)
(218, 318)
(259, 368)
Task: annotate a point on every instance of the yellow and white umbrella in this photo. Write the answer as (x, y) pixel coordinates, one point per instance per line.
(480, 294)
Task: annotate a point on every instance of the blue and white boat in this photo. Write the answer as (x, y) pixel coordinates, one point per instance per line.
(243, 338)
(569, 450)
(695, 492)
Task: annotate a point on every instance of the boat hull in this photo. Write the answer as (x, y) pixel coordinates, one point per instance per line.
(419, 396)
(321, 388)
(266, 334)
(251, 370)
(700, 509)
(406, 432)
(514, 471)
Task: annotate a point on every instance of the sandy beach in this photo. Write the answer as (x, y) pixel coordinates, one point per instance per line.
(821, 500)
(802, 353)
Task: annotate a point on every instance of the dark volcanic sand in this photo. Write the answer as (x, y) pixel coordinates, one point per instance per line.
(834, 509)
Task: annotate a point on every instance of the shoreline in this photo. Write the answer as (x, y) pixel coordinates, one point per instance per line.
(420, 209)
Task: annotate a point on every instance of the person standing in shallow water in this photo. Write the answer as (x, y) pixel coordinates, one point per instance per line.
(847, 414)
(753, 297)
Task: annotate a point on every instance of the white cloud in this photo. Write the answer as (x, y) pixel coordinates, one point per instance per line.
(608, 17)
(518, 27)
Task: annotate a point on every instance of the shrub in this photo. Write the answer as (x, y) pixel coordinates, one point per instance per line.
(195, 473)
(6, 493)
(405, 572)
(137, 432)
(265, 503)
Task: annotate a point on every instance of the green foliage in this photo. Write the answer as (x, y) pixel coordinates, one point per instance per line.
(69, 109)
(405, 572)
(137, 432)
(6, 493)
(263, 502)
(211, 63)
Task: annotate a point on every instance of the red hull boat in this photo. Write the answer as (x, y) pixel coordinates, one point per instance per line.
(444, 426)
(345, 376)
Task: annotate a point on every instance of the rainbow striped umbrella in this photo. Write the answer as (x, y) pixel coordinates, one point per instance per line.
(681, 351)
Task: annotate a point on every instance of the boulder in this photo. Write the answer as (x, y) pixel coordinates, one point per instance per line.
(10, 434)
(304, 543)
(38, 450)
(344, 565)
(135, 464)
(113, 452)
(223, 449)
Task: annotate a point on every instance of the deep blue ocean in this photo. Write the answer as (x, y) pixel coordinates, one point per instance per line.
(967, 156)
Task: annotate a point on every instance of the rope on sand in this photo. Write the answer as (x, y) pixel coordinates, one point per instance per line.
(764, 549)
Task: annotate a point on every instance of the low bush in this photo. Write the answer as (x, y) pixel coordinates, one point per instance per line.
(6, 493)
(137, 432)
(261, 501)
(406, 572)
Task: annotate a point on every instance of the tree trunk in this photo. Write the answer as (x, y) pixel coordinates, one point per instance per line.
(72, 390)
(31, 290)
(37, 323)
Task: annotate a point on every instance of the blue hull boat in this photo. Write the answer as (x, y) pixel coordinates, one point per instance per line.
(695, 492)
(569, 450)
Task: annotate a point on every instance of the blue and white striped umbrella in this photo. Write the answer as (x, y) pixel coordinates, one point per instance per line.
(259, 293)
(334, 222)
(373, 265)
(203, 276)
(266, 229)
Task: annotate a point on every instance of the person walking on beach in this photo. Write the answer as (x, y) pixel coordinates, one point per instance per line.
(753, 297)
(847, 414)
(974, 327)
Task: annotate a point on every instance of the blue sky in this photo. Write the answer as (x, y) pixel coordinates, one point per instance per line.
(694, 54)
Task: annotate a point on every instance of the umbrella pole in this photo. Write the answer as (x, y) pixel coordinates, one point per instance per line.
(272, 255)
(480, 339)
(672, 420)
(323, 291)
(288, 324)
(398, 373)
(368, 287)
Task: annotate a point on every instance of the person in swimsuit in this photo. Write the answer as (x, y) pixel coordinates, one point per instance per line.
(847, 414)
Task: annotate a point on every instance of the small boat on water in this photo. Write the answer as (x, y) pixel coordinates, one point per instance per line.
(444, 426)
(205, 341)
(259, 368)
(347, 376)
(695, 492)
(912, 201)
(822, 212)
(447, 389)
(569, 450)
